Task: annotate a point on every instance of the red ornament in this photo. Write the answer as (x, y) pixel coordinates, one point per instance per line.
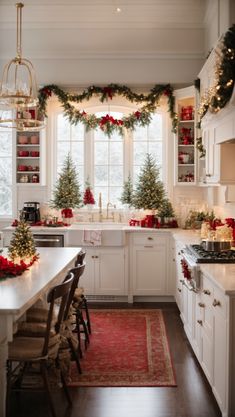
(166, 93)
(88, 197)
(46, 91)
(108, 92)
(185, 270)
(137, 114)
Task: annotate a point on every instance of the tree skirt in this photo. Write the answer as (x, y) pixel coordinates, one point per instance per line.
(128, 348)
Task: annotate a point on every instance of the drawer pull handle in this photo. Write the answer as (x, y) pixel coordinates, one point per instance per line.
(201, 305)
(179, 290)
(148, 246)
(216, 303)
(199, 322)
(150, 238)
(208, 175)
(207, 292)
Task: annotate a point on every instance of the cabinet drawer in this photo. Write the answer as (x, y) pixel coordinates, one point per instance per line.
(148, 239)
(219, 302)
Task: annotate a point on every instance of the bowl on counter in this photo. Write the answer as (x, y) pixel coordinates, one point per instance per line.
(23, 153)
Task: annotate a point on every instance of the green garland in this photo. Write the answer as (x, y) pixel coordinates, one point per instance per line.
(108, 124)
(226, 72)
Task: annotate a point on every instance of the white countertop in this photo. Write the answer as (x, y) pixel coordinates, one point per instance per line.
(18, 293)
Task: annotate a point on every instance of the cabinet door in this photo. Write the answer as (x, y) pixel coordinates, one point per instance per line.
(87, 280)
(212, 157)
(178, 277)
(220, 360)
(149, 269)
(110, 272)
(207, 355)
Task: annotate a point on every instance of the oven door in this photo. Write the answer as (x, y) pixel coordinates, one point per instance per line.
(191, 272)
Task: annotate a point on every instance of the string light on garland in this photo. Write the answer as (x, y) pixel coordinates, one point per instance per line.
(224, 77)
(108, 124)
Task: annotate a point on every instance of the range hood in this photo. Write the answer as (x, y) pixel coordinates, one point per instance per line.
(222, 123)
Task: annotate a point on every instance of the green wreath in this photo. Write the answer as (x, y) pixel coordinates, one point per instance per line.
(109, 124)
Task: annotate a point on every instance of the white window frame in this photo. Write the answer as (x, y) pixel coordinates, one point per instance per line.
(89, 147)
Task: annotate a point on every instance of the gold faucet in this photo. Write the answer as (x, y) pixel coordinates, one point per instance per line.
(107, 211)
(100, 208)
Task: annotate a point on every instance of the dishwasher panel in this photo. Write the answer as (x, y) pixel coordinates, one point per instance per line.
(49, 240)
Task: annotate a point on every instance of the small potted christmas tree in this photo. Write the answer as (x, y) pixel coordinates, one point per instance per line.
(127, 193)
(149, 192)
(67, 195)
(22, 245)
(166, 212)
(88, 198)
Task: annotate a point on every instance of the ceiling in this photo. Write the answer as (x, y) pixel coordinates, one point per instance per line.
(79, 42)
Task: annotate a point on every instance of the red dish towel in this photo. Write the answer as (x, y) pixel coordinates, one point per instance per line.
(92, 237)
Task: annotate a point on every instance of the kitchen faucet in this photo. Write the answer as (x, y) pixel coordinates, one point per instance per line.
(100, 208)
(107, 211)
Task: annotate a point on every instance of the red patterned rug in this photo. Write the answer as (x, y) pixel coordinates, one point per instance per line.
(128, 348)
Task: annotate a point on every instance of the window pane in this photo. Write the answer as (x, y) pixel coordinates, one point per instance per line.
(140, 150)
(116, 153)
(78, 132)
(63, 148)
(155, 149)
(101, 175)
(116, 175)
(63, 128)
(77, 152)
(140, 133)
(101, 153)
(115, 195)
(155, 127)
(6, 186)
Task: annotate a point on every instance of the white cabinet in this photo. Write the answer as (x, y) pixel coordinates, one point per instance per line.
(185, 150)
(105, 272)
(219, 159)
(149, 264)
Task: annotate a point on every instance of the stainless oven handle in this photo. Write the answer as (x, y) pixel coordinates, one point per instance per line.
(47, 240)
(190, 288)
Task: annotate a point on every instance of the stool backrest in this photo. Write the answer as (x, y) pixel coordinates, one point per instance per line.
(77, 272)
(80, 257)
(58, 293)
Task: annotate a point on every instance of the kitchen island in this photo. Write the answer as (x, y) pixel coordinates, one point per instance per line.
(21, 292)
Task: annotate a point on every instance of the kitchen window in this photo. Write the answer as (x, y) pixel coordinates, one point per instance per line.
(107, 161)
(6, 173)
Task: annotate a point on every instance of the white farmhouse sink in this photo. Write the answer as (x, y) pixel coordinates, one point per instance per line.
(112, 234)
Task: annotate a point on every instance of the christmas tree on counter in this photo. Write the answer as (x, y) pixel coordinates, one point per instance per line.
(166, 209)
(67, 193)
(22, 244)
(149, 192)
(127, 193)
(88, 198)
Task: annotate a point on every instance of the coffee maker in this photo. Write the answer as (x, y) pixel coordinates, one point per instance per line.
(31, 212)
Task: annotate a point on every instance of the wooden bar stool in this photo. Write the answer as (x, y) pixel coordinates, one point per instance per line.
(24, 352)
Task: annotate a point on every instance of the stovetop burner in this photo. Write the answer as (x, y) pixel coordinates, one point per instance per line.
(203, 256)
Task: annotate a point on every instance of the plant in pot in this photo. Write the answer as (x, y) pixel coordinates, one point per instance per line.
(166, 212)
(67, 194)
(127, 192)
(88, 198)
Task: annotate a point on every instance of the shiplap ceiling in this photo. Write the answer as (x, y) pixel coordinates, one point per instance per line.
(76, 42)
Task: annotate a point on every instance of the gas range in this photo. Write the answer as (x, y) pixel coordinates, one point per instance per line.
(200, 255)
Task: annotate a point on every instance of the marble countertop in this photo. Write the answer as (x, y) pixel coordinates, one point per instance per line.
(19, 293)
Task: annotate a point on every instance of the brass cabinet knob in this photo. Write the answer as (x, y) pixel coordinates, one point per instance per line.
(150, 238)
(216, 303)
(199, 322)
(179, 290)
(201, 305)
(207, 292)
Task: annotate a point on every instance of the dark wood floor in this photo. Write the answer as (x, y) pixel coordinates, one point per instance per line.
(191, 398)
